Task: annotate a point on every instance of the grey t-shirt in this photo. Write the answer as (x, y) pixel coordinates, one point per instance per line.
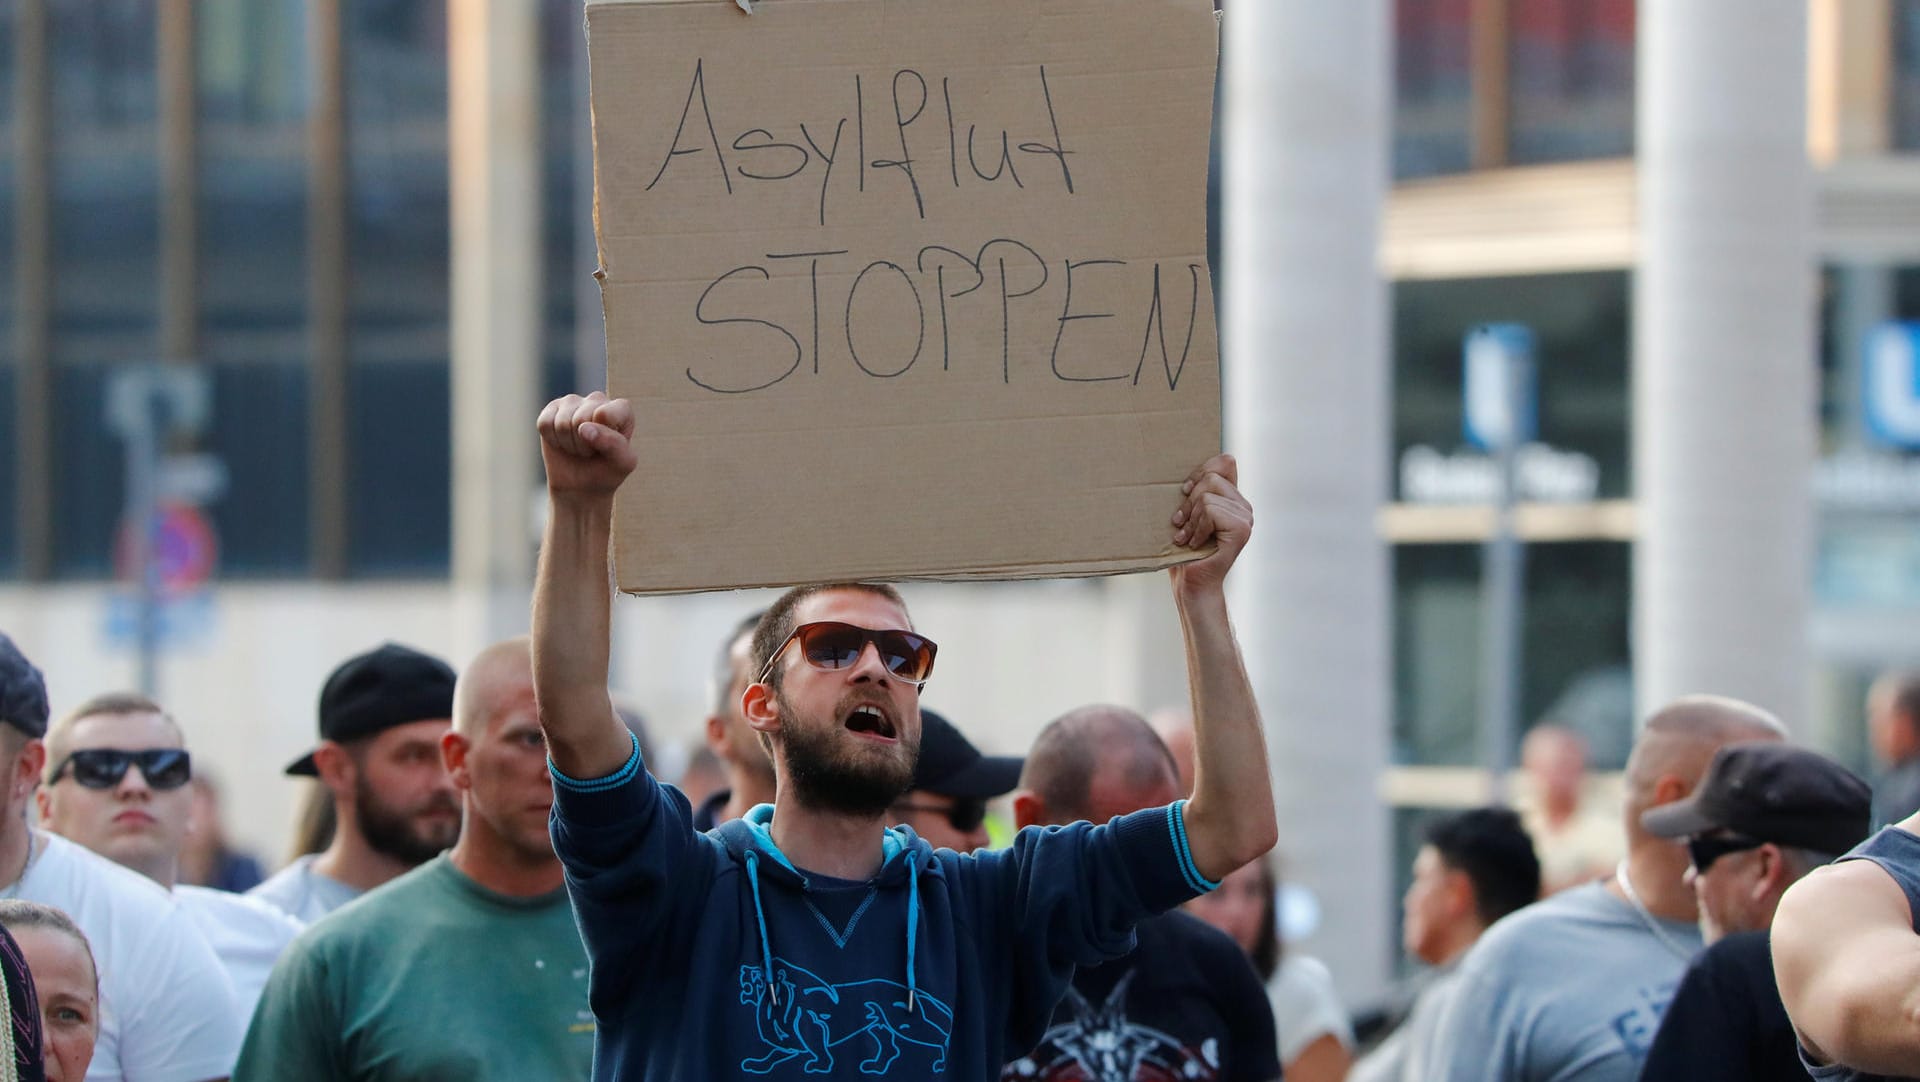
(1571, 989)
(302, 893)
(1406, 1055)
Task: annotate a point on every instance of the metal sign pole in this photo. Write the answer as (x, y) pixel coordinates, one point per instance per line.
(1500, 420)
(142, 436)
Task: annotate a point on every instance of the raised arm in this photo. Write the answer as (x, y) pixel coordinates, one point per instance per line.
(1848, 964)
(1230, 819)
(587, 446)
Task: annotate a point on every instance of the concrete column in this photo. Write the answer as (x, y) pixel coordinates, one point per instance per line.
(1304, 347)
(1724, 406)
(494, 139)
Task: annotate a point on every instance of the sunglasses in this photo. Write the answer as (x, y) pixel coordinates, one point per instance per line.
(102, 768)
(1705, 851)
(833, 645)
(965, 814)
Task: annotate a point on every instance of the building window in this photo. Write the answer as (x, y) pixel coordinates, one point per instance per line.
(9, 461)
(1571, 79)
(1432, 89)
(399, 407)
(105, 167)
(1906, 74)
(253, 105)
(1581, 333)
(1574, 670)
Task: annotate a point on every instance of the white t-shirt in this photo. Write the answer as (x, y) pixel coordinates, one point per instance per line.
(302, 893)
(247, 935)
(167, 1009)
(1305, 1006)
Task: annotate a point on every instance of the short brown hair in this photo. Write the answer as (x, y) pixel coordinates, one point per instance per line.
(777, 623)
(111, 704)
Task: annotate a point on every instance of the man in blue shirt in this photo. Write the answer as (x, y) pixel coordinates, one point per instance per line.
(808, 939)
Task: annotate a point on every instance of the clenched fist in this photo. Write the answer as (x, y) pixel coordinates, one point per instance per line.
(587, 444)
(1211, 510)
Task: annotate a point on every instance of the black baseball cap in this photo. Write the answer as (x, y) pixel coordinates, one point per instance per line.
(951, 766)
(23, 691)
(377, 690)
(1772, 792)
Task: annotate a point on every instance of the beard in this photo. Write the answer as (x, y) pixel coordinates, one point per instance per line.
(399, 833)
(825, 776)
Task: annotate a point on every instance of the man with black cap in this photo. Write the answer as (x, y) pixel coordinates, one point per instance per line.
(167, 1009)
(382, 715)
(1764, 815)
(952, 783)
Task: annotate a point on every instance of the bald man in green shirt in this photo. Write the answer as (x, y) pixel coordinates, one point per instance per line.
(468, 967)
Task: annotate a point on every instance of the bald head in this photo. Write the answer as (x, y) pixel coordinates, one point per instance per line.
(1094, 763)
(498, 676)
(1678, 742)
(1175, 726)
(1893, 717)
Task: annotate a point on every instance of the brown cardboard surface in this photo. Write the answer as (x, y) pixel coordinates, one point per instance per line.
(1008, 364)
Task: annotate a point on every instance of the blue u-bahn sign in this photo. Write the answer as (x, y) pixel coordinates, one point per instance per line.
(1890, 384)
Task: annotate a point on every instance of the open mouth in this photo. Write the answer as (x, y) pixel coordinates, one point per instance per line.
(872, 721)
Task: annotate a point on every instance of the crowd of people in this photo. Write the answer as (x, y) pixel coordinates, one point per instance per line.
(494, 884)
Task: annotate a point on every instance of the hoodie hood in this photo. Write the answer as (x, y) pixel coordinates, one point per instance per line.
(904, 858)
(753, 834)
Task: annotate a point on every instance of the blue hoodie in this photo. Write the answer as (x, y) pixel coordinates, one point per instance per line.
(714, 958)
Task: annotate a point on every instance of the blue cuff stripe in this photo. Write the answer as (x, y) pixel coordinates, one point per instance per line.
(598, 785)
(1177, 824)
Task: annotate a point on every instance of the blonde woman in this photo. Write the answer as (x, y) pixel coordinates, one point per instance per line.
(65, 982)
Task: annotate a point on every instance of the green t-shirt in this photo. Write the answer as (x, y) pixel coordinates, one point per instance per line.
(430, 977)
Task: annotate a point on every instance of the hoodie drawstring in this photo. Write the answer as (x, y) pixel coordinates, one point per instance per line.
(760, 915)
(913, 920)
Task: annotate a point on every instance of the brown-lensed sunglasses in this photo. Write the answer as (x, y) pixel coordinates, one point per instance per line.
(830, 644)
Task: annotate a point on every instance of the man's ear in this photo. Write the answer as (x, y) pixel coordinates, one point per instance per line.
(717, 736)
(1028, 809)
(42, 802)
(335, 767)
(453, 756)
(1461, 903)
(763, 714)
(28, 767)
(1669, 788)
(1776, 872)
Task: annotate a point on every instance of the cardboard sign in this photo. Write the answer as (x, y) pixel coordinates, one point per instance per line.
(904, 289)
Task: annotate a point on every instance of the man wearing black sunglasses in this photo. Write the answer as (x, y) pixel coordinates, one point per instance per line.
(809, 939)
(119, 783)
(169, 1009)
(1765, 815)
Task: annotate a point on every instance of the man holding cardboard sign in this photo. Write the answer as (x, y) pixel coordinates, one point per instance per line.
(808, 939)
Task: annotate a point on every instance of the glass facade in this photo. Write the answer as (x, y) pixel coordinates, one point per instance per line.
(399, 409)
(1571, 80)
(1432, 87)
(105, 170)
(253, 102)
(1574, 665)
(1906, 74)
(1582, 349)
(253, 114)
